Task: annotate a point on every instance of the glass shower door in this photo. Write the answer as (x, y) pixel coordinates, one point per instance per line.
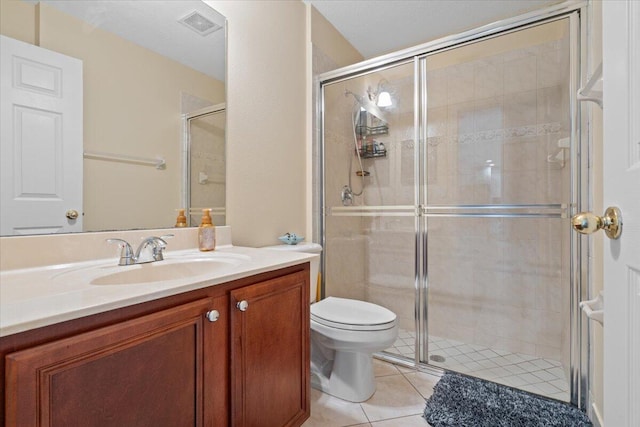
(370, 194)
(498, 184)
(450, 206)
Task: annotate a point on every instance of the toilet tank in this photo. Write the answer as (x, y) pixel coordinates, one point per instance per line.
(311, 248)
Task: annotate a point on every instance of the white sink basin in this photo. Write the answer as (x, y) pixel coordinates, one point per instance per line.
(182, 267)
(159, 271)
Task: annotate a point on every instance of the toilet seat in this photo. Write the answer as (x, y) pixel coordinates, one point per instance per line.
(354, 315)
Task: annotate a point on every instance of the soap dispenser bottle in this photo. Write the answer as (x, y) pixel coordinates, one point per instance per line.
(206, 232)
(181, 220)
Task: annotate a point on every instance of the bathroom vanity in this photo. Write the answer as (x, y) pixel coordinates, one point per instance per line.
(234, 351)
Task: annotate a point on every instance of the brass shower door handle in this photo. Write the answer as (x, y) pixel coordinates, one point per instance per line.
(610, 222)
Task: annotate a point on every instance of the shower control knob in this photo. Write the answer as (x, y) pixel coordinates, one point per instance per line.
(610, 222)
(242, 305)
(212, 315)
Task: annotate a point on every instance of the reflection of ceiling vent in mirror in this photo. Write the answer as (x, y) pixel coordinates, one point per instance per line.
(199, 23)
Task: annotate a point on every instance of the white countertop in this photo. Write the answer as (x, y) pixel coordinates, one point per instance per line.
(36, 297)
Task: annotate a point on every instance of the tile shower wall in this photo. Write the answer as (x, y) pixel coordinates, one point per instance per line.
(495, 127)
(500, 285)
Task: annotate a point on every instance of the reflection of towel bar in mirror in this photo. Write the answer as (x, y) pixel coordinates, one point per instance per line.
(219, 211)
(158, 163)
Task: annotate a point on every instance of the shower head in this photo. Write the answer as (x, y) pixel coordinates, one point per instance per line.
(358, 98)
(369, 106)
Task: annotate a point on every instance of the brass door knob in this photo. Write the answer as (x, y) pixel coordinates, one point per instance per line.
(71, 214)
(610, 222)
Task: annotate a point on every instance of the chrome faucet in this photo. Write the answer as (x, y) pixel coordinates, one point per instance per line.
(150, 250)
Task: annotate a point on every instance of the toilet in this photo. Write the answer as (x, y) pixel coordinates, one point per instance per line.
(344, 335)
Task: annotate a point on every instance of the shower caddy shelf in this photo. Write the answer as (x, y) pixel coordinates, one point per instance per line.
(376, 130)
(367, 155)
(364, 131)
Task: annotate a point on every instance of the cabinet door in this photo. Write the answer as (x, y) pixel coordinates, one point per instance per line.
(270, 352)
(216, 365)
(142, 372)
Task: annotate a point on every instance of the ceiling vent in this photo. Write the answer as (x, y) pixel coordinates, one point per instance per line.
(199, 23)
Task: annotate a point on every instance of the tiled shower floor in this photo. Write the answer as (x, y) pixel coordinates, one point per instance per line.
(531, 373)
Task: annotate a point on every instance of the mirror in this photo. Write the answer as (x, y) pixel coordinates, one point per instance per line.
(146, 66)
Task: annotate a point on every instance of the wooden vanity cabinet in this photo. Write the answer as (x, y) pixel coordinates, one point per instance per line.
(270, 353)
(171, 362)
(145, 371)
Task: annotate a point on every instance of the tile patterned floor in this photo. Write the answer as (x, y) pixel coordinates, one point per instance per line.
(533, 374)
(399, 401)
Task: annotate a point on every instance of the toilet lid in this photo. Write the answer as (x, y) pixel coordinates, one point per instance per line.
(352, 314)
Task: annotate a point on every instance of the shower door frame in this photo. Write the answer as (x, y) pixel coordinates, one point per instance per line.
(580, 268)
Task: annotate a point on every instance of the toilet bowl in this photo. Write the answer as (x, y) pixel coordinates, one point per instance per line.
(344, 335)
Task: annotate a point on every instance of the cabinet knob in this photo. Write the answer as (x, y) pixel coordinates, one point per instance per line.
(242, 305)
(212, 315)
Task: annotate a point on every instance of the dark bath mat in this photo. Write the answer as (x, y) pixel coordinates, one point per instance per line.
(463, 401)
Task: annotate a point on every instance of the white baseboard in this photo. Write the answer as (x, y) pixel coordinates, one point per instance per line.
(595, 416)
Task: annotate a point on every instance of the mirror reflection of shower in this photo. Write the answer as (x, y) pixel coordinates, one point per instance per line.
(366, 118)
(204, 182)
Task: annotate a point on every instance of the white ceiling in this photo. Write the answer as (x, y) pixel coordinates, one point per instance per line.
(373, 27)
(154, 25)
(376, 27)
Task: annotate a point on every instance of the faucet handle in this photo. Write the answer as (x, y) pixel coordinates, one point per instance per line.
(126, 253)
(150, 250)
(160, 246)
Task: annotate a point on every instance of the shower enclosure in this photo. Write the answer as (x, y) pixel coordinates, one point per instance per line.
(204, 184)
(450, 206)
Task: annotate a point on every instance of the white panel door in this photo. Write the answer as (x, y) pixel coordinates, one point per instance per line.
(621, 112)
(40, 138)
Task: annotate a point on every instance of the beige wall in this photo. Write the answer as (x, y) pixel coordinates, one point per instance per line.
(267, 112)
(17, 20)
(325, 37)
(120, 80)
(329, 51)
